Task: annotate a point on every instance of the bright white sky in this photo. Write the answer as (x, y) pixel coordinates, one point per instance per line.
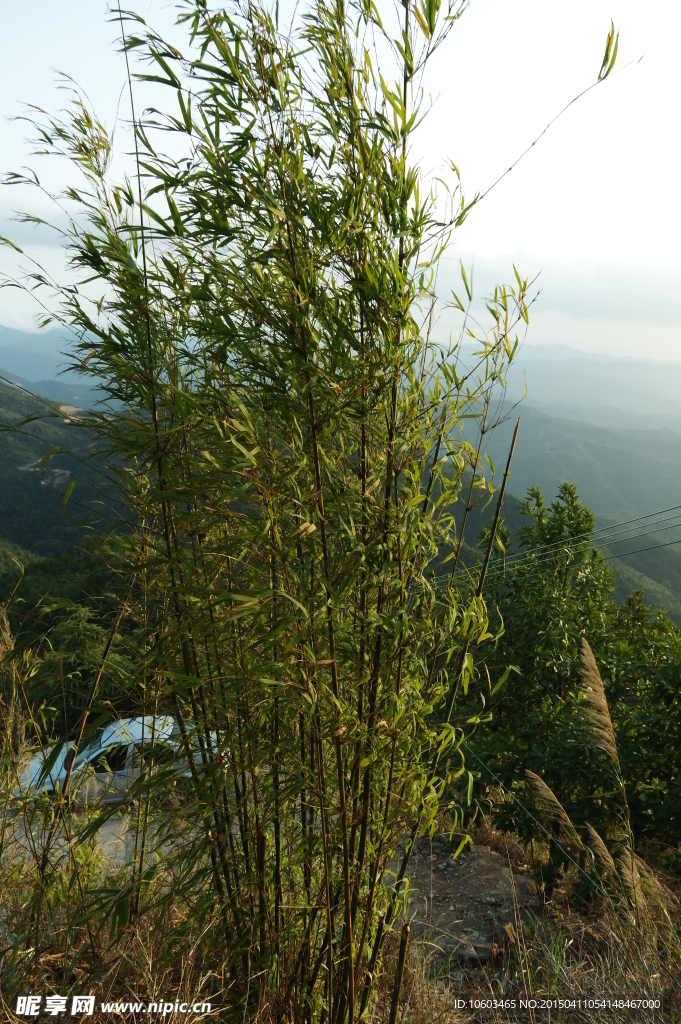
(595, 206)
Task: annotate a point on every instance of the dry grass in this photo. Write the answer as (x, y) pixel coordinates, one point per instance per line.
(131, 961)
(507, 846)
(555, 959)
(572, 951)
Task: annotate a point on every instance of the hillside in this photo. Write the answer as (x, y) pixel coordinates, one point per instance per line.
(35, 481)
(617, 446)
(622, 475)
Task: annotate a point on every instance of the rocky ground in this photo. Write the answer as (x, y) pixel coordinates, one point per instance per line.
(464, 910)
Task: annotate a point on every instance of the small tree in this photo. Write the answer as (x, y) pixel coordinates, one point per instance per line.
(558, 592)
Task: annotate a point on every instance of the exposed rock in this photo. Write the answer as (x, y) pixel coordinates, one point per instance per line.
(462, 909)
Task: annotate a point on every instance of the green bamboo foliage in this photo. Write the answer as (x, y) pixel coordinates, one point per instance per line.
(279, 419)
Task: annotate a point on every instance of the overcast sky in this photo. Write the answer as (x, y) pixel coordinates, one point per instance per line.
(595, 207)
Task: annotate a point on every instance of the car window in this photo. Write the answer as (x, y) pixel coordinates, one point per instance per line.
(160, 753)
(111, 760)
(87, 753)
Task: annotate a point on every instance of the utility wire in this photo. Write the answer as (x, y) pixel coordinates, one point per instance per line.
(587, 541)
(601, 536)
(607, 534)
(571, 553)
(547, 553)
(571, 568)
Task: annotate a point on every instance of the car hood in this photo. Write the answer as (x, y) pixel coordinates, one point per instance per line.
(31, 773)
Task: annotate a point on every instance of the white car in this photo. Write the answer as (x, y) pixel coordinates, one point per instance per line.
(35, 776)
(106, 768)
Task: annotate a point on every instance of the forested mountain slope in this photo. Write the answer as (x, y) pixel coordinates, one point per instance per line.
(623, 476)
(620, 474)
(43, 450)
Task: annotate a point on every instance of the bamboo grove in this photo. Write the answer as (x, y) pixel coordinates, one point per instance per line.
(283, 426)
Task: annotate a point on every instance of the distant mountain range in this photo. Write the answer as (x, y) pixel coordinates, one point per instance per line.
(600, 390)
(37, 363)
(613, 426)
(559, 381)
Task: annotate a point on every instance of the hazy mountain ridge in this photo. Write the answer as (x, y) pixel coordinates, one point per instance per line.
(626, 466)
(38, 356)
(36, 362)
(596, 389)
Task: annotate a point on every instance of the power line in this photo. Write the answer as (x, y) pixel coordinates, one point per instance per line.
(544, 554)
(626, 522)
(576, 550)
(571, 568)
(606, 534)
(591, 540)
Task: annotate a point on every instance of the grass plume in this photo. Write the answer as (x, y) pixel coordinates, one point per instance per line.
(600, 851)
(596, 711)
(548, 804)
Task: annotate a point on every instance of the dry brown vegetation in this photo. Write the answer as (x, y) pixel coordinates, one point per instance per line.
(571, 950)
